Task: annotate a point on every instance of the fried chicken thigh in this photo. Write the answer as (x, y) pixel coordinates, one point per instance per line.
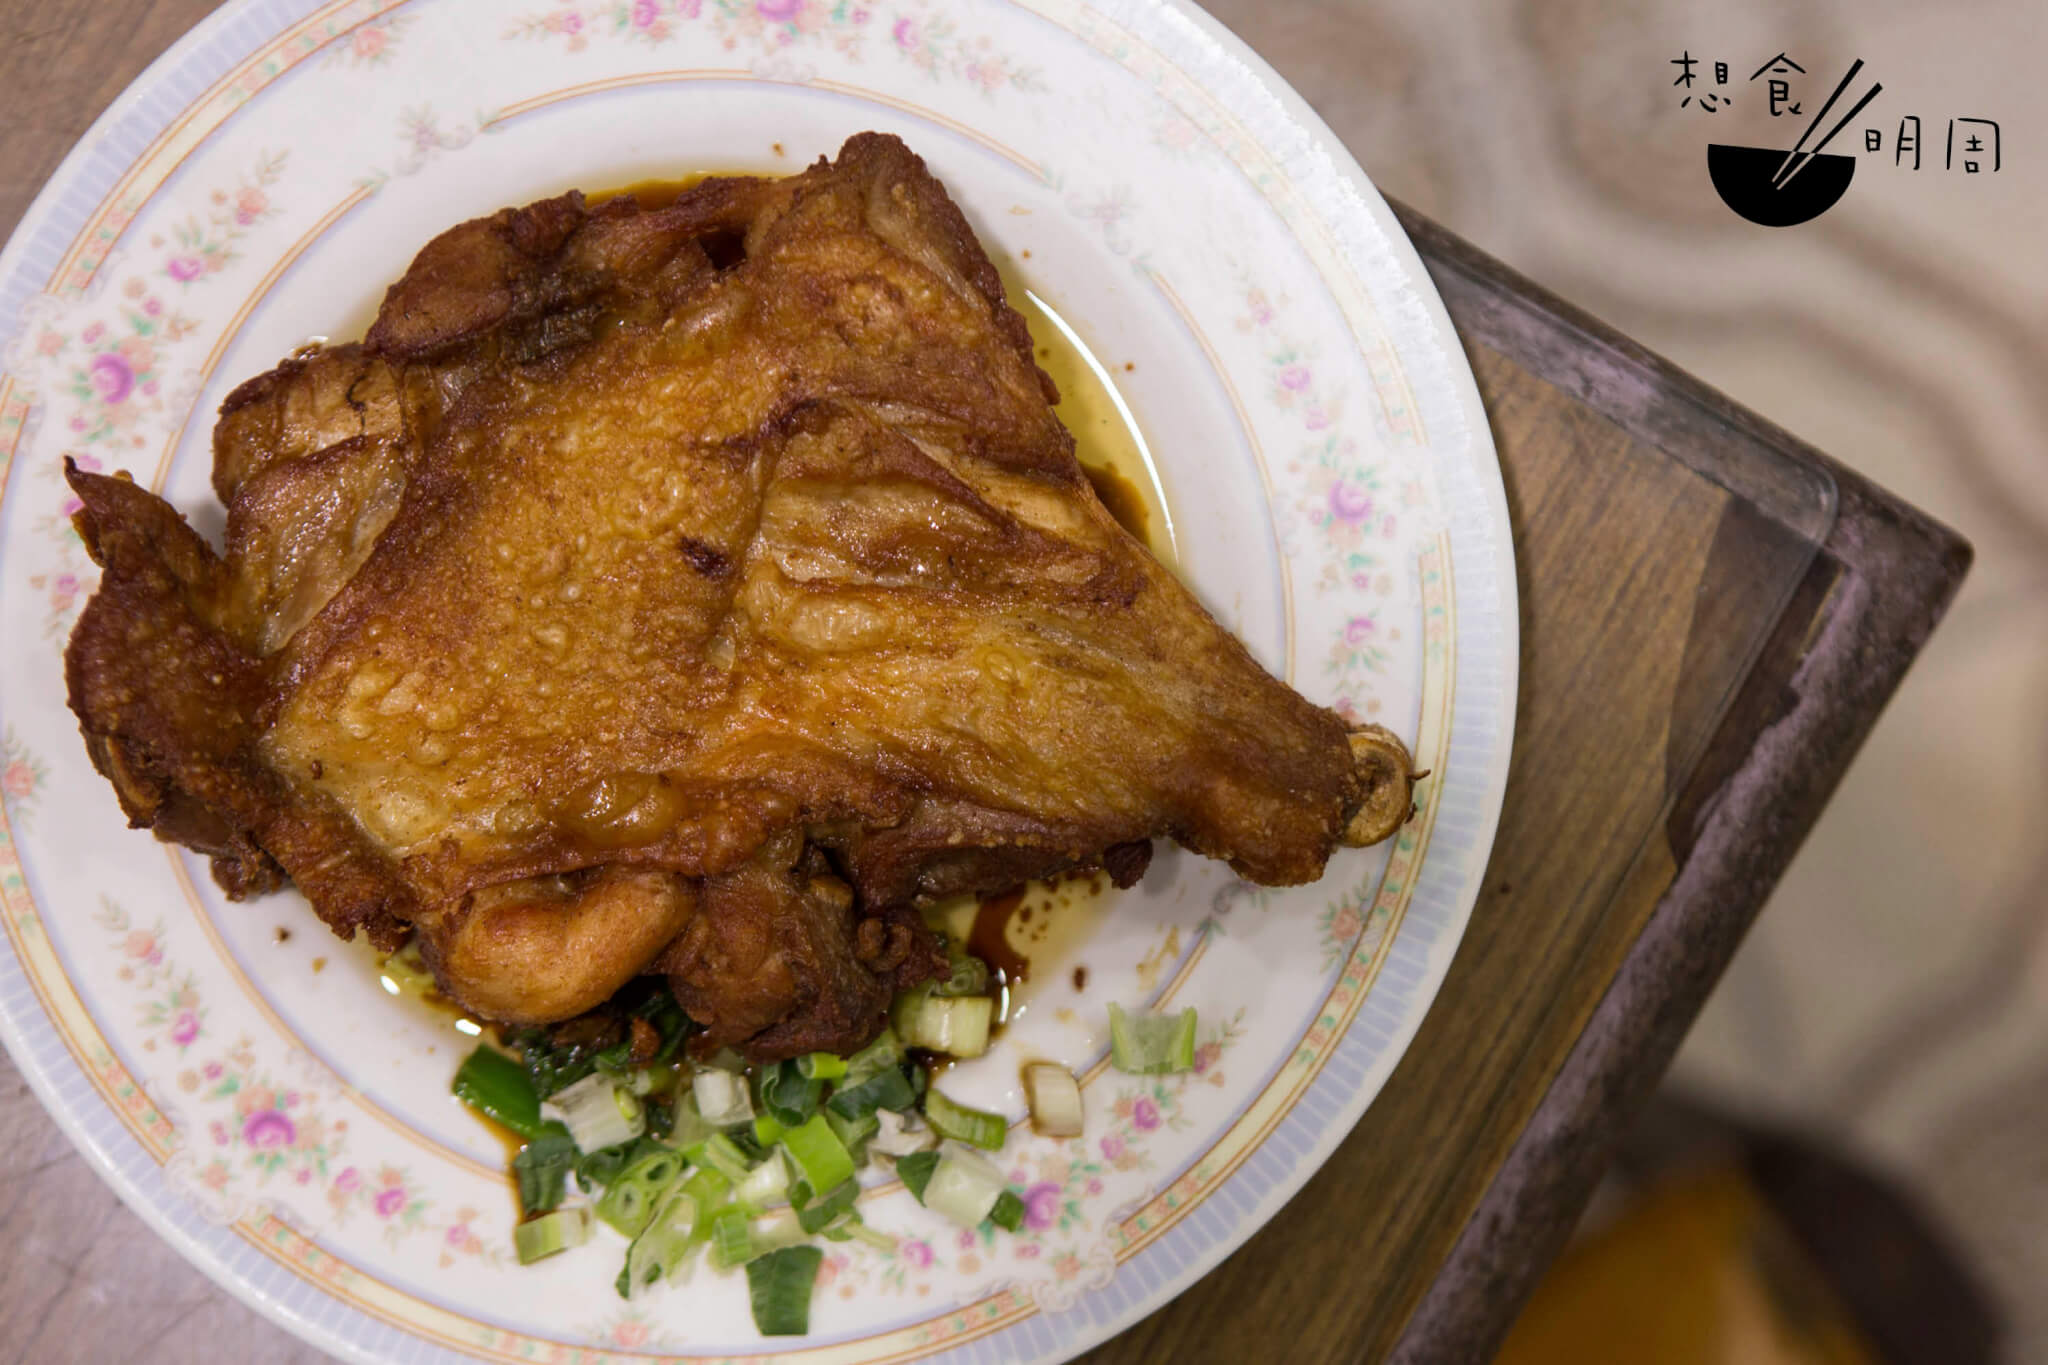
(699, 590)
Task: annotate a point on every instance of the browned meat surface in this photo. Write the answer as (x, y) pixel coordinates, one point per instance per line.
(694, 589)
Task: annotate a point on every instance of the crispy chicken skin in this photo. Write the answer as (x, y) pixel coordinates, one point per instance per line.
(697, 590)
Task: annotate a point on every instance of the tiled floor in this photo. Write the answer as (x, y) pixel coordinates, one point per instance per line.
(1895, 991)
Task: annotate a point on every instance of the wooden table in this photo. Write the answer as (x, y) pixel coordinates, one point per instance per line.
(1712, 616)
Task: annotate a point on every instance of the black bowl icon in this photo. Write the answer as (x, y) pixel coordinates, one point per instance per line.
(1743, 177)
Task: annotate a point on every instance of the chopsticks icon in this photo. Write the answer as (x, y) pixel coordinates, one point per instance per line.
(1796, 160)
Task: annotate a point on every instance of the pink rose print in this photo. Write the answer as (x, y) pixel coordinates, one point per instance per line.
(1145, 1114)
(389, 1201)
(1387, 527)
(860, 16)
(778, 11)
(1315, 418)
(137, 352)
(966, 1239)
(1028, 1251)
(111, 378)
(86, 461)
(152, 307)
(184, 269)
(1295, 377)
(370, 41)
(348, 1180)
(1350, 503)
(1359, 629)
(630, 1335)
(220, 1133)
(1206, 1055)
(67, 583)
(184, 1028)
(93, 333)
(18, 781)
(1112, 1147)
(142, 944)
(689, 9)
(250, 204)
(268, 1128)
(49, 343)
(1094, 1186)
(213, 1071)
(645, 12)
(1042, 1205)
(78, 424)
(1261, 308)
(458, 1234)
(905, 34)
(918, 1254)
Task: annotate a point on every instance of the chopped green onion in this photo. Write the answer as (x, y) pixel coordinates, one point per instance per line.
(498, 1088)
(598, 1112)
(721, 1097)
(821, 1066)
(661, 1251)
(661, 1118)
(818, 1214)
(964, 1186)
(883, 1054)
(708, 1188)
(1008, 1212)
(732, 1242)
(821, 1158)
(630, 1201)
(958, 1026)
(787, 1094)
(602, 1167)
(721, 1154)
(767, 1131)
(854, 1133)
(779, 1286)
(744, 1142)
(541, 1170)
(889, 1088)
(915, 1170)
(1055, 1099)
(953, 1120)
(652, 1080)
(765, 1184)
(550, 1233)
(901, 1134)
(874, 1237)
(969, 975)
(1151, 1044)
(688, 1126)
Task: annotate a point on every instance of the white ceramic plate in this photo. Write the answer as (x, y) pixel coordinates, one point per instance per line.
(1318, 441)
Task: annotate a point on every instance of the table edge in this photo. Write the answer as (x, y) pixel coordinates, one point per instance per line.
(1899, 569)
